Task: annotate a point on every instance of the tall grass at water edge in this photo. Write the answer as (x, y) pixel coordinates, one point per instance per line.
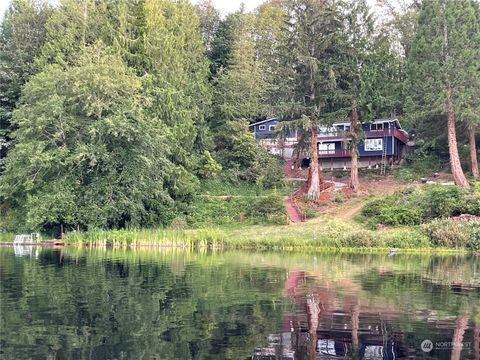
(147, 237)
(328, 235)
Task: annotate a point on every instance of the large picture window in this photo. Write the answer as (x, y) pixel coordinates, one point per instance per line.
(373, 144)
(326, 148)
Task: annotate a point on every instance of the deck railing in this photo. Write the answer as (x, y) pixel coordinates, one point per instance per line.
(334, 153)
(341, 135)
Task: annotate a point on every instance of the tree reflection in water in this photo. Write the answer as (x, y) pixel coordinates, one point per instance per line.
(120, 304)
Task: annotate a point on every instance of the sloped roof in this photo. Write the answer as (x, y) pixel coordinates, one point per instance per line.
(261, 122)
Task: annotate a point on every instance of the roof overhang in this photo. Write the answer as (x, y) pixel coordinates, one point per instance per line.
(376, 121)
(263, 121)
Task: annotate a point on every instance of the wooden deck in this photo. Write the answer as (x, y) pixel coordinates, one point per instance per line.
(53, 242)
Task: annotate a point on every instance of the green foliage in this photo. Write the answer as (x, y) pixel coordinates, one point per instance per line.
(339, 197)
(222, 210)
(443, 53)
(242, 158)
(422, 162)
(209, 168)
(453, 233)
(420, 205)
(85, 151)
(22, 36)
(310, 212)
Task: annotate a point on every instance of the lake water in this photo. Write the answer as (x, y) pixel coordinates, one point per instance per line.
(171, 304)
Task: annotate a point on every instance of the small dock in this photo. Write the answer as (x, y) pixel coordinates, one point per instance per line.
(32, 240)
(53, 242)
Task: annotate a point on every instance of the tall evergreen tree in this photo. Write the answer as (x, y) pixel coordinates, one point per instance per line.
(439, 64)
(271, 40)
(468, 103)
(221, 48)
(371, 79)
(359, 33)
(163, 44)
(240, 87)
(315, 32)
(72, 26)
(209, 21)
(22, 35)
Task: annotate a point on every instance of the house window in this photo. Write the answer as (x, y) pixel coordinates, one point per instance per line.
(326, 148)
(271, 128)
(373, 144)
(376, 126)
(262, 127)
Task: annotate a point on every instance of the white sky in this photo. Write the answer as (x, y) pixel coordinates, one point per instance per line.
(229, 6)
(3, 6)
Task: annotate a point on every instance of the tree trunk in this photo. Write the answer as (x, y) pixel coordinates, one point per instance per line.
(354, 183)
(476, 341)
(314, 175)
(455, 164)
(355, 328)
(461, 325)
(313, 317)
(473, 152)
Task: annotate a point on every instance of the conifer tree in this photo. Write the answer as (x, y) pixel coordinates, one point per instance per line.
(22, 35)
(370, 79)
(315, 32)
(469, 99)
(271, 40)
(209, 21)
(358, 47)
(440, 62)
(240, 87)
(72, 26)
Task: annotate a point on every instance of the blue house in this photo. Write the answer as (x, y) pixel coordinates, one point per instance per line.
(384, 142)
(265, 133)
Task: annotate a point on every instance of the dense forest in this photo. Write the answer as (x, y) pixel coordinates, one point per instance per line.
(113, 112)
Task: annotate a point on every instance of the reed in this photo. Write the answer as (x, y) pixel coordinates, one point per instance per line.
(125, 238)
(330, 234)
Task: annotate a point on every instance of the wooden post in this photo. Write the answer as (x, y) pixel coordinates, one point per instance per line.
(61, 231)
(242, 217)
(78, 228)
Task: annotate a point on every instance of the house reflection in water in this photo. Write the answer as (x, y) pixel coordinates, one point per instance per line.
(328, 324)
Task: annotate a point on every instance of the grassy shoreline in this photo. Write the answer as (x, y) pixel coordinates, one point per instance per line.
(329, 234)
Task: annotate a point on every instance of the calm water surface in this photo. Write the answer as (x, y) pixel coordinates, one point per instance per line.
(153, 304)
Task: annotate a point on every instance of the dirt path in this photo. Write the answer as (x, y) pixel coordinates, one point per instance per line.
(351, 207)
(294, 215)
(292, 211)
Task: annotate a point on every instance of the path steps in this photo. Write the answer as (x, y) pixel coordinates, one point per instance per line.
(287, 169)
(293, 214)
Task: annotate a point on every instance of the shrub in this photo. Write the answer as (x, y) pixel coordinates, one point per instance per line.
(310, 212)
(449, 233)
(360, 238)
(440, 201)
(264, 206)
(408, 238)
(339, 198)
(475, 236)
(420, 205)
(208, 211)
